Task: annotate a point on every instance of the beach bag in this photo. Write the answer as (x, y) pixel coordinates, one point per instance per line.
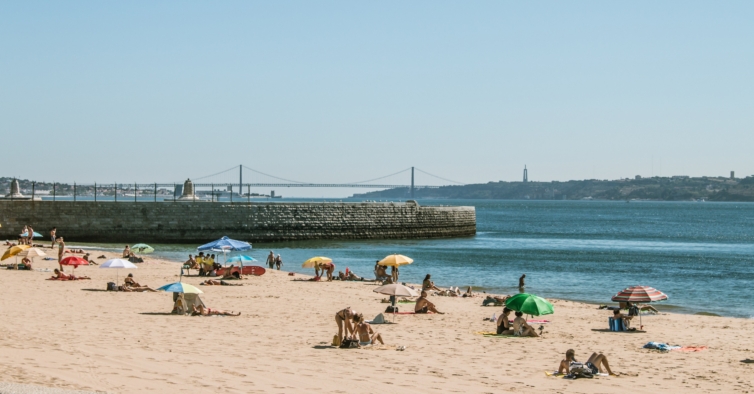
(349, 344)
(111, 286)
(391, 309)
(581, 373)
(335, 340)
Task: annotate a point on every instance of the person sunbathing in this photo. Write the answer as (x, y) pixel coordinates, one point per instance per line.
(202, 311)
(60, 275)
(521, 328)
(367, 336)
(27, 263)
(423, 305)
(135, 289)
(503, 324)
(214, 282)
(637, 307)
(496, 301)
(86, 257)
(469, 293)
(597, 363)
(229, 274)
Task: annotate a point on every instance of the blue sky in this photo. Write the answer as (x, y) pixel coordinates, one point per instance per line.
(347, 91)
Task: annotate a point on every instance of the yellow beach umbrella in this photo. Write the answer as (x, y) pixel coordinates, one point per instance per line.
(395, 260)
(14, 251)
(316, 261)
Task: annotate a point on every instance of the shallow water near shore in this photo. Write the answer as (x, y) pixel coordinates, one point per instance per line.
(700, 254)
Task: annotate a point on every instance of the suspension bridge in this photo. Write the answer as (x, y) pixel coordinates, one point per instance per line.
(221, 179)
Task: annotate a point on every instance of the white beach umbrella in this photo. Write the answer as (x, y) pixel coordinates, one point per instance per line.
(117, 264)
(396, 290)
(32, 252)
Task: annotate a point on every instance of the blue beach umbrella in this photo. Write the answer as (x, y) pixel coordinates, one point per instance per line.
(225, 244)
(241, 259)
(26, 234)
(179, 287)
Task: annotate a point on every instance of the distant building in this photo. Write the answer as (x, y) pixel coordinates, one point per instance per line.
(526, 174)
(637, 177)
(732, 175)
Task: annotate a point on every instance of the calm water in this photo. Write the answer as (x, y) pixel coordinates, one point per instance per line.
(700, 254)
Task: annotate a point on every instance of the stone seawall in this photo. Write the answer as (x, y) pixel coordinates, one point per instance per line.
(186, 222)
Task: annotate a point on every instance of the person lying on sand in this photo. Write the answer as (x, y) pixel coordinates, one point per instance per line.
(135, 289)
(202, 311)
(388, 301)
(521, 328)
(427, 284)
(503, 325)
(597, 363)
(423, 305)
(229, 274)
(350, 277)
(367, 335)
(496, 301)
(640, 307)
(468, 293)
(213, 282)
(63, 276)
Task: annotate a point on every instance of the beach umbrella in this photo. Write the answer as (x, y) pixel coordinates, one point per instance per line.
(640, 294)
(36, 235)
(529, 304)
(117, 264)
(180, 287)
(225, 244)
(240, 259)
(32, 252)
(75, 261)
(14, 250)
(142, 248)
(395, 260)
(316, 261)
(397, 290)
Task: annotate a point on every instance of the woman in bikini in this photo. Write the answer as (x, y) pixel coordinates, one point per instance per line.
(343, 318)
(428, 284)
(202, 311)
(597, 363)
(503, 324)
(212, 282)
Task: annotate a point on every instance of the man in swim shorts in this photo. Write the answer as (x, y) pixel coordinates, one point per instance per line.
(367, 336)
(423, 305)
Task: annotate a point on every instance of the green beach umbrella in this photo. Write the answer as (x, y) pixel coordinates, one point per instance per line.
(529, 304)
(142, 248)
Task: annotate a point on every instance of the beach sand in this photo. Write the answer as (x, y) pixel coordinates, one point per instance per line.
(74, 335)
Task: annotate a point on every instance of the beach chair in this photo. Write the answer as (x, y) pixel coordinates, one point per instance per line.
(617, 324)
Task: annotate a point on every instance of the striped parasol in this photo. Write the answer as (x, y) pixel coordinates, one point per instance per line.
(639, 294)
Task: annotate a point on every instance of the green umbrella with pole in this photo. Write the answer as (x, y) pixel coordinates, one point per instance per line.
(529, 304)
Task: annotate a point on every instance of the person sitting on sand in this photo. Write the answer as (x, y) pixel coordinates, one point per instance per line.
(130, 282)
(86, 257)
(597, 363)
(202, 311)
(127, 252)
(191, 263)
(427, 284)
(367, 336)
(503, 324)
(626, 319)
(26, 262)
(214, 282)
(343, 318)
(424, 306)
(521, 328)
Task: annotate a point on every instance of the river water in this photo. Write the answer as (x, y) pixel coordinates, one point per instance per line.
(699, 254)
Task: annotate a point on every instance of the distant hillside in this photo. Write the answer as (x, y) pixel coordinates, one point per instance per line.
(656, 188)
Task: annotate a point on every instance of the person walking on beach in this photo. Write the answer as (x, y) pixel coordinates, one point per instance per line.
(278, 262)
(271, 260)
(61, 250)
(521, 284)
(30, 236)
(52, 237)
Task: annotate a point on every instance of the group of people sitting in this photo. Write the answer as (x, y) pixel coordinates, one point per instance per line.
(633, 311)
(356, 328)
(381, 275)
(519, 327)
(205, 264)
(349, 276)
(428, 285)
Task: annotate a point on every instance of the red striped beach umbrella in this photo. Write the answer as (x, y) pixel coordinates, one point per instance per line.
(640, 294)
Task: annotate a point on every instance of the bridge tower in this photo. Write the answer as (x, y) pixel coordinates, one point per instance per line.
(526, 174)
(412, 182)
(240, 180)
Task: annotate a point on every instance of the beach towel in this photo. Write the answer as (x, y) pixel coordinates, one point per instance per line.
(663, 347)
(691, 349)
(534, 321)
(414, 313)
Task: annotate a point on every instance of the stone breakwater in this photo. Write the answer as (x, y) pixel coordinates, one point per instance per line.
(186, 222)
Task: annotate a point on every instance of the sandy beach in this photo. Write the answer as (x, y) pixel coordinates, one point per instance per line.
(74, 335)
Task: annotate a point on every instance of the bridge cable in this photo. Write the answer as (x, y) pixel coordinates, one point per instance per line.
(382, 177)
(272, 176)
(439, 177)
(221, 172)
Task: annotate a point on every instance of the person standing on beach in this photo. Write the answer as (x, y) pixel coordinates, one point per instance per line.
(394, 273)
(271, 260)
(278, 262)
(521, 283)
(52, 237)
(61, 250)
